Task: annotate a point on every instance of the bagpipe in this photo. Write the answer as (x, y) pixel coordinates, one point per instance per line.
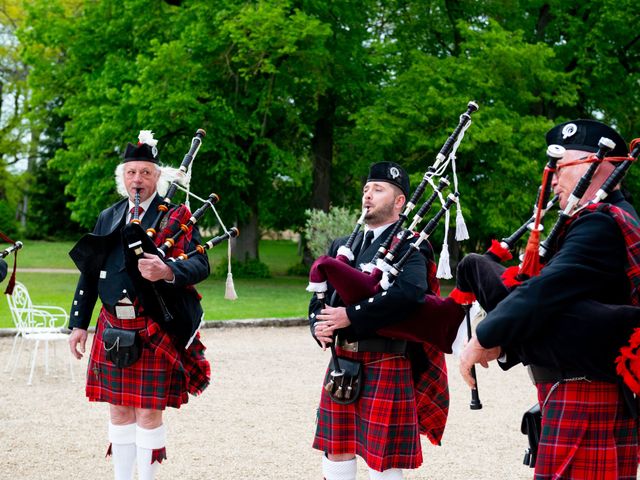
(176, 309)
(13, 248)
(483, 278)
(16, 245)
(435, 321)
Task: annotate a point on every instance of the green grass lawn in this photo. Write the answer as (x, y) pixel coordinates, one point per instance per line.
(276, 297)
(280, 296)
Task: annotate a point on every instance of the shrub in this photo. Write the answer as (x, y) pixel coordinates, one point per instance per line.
(298, 270)
(249, 269)
(8, 223)
(321, 228)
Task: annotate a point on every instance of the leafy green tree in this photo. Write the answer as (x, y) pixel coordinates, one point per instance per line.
(116, 67)
(299, 96)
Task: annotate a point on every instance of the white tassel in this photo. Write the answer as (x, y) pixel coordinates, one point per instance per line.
(230, 289)
(461, 228)
(444, 269)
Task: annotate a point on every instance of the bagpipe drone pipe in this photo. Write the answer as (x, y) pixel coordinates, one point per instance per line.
(435, 321)
(483, 278)
(15, 246)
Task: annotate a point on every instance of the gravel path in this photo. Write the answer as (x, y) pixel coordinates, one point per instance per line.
(255, 421)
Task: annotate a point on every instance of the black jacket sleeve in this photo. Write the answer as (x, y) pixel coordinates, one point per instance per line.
(393, 305)
(3, 269)
(86, 295)
(589, 265)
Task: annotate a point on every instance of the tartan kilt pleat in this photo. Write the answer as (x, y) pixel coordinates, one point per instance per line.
(162, 377)
(432, 395)
(382, 425)
(587, 433)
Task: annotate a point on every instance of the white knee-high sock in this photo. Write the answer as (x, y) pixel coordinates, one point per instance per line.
(123, 450)
(339, 470)
(151, 451)
(390, 474)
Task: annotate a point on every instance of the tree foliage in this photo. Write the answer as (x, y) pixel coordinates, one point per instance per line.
(298, 97)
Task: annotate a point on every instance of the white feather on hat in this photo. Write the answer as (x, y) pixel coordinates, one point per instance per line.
(146, 136)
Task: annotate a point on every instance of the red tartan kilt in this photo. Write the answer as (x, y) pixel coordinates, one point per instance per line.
(382, 425)
(587, 433)
(159, 379)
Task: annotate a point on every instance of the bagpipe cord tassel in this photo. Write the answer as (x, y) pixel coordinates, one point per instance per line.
(444, 268)
(531, 264)
(461, 228)
(230, 289)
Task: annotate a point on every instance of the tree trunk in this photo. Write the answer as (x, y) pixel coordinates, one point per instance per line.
(245, 246)
(322, 152)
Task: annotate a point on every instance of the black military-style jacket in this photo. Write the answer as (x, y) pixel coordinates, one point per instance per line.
(3, 269)
(386, 308)
(575, 314)
(104, 274)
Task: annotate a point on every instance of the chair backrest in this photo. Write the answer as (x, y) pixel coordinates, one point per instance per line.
(20, 306)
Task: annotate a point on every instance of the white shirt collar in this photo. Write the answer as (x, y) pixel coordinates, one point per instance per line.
(378, 230)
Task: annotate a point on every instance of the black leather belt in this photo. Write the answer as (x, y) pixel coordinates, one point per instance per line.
(378, 345)
(552, 375)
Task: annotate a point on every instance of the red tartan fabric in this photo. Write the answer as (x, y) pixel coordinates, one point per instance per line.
(161, 378)
(176, 217)
(432, 396)
(432, 388)
(382, 425)
(586, 433)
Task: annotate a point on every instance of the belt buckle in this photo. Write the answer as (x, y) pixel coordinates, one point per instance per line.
(124, 308)
(349, 347)
(125, 312)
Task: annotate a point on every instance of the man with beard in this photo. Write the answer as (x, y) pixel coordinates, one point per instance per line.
(381, 425)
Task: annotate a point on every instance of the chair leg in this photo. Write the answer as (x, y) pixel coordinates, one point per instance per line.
(13, 349)
(46, 357)
(33, 361)
(18, 355)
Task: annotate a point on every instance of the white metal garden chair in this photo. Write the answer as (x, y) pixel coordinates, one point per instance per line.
(36, 323)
